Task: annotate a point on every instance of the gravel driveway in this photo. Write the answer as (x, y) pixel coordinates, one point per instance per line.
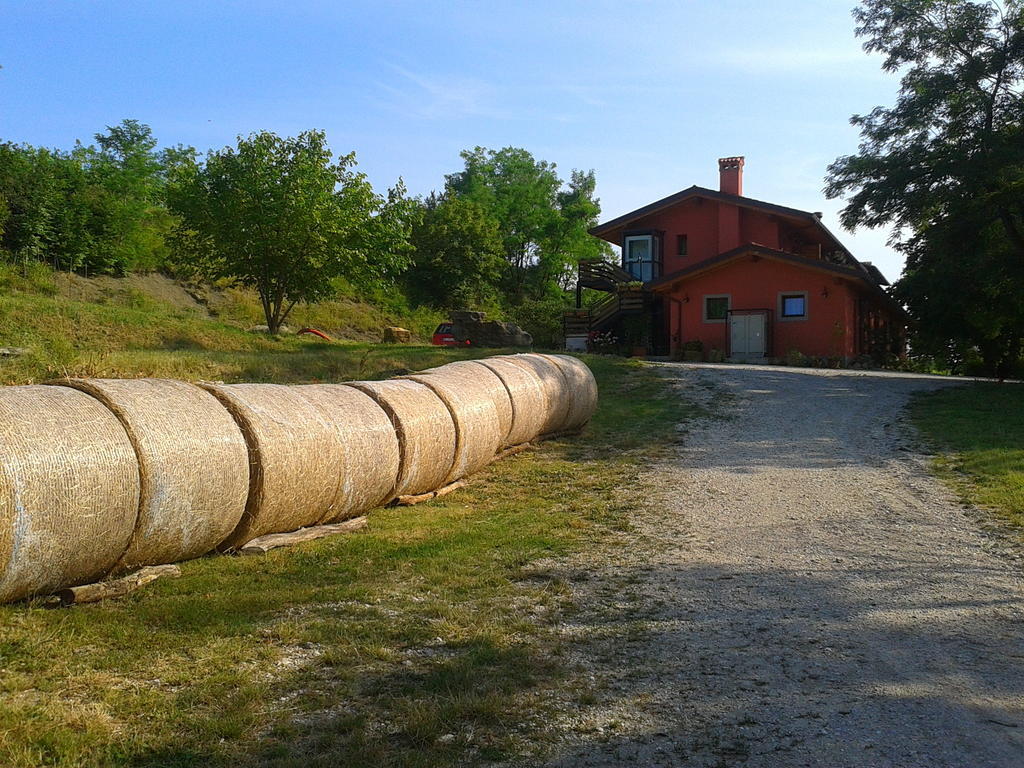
(800, 593)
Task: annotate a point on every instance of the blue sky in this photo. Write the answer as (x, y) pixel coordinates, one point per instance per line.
(648, 94)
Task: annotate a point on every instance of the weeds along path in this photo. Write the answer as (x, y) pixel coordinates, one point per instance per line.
(799, 592)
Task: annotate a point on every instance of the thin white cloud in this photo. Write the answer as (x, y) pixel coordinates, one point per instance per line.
(591, 96)
(440, 97)
(791, 60)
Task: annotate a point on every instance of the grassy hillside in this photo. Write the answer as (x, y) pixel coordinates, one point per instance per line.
(153, 326)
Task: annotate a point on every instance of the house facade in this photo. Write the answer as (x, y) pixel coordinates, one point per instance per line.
(747, 279)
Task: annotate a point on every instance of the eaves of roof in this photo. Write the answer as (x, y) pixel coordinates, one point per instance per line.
(806, 217)
(695, 191)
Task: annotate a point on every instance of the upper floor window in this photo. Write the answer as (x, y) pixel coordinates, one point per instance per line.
(639, 257)
(681, 245)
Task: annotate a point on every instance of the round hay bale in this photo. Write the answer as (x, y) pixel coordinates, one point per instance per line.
(466, 393)
(582, 389)
(526, 394)
(371, 455)
(69, 490)
(425, 429)
(193, 464)
(296, 459)
(556, 389)
(495, 388)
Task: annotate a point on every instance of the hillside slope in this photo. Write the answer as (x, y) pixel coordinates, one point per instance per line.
(150, 325)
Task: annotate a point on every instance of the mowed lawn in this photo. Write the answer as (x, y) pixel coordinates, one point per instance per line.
(426, 641)
(978, 431)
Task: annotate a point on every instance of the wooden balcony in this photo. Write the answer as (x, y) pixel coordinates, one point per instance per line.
(602, 276)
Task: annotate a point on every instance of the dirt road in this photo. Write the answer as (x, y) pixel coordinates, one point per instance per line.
(800, 593)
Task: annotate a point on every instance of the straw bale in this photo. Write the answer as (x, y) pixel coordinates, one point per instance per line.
(556, 388)
(193, 464)
(296, 459)
(526, 394)
(466, 393)
(495, 387)
(582, 389)
(69, 490)
(370, 447)
(426, 432)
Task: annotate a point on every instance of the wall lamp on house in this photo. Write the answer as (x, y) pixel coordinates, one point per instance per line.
(686, 298)
(824, 292)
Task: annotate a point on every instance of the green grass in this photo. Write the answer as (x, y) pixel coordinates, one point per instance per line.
(427, 641)
(979, 433)
(126, 332)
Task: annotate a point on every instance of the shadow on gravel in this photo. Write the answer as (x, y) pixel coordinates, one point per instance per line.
(777, 668)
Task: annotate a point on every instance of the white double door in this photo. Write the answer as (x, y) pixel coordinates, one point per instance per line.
(746, 336)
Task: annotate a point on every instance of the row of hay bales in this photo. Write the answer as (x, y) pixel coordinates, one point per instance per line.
(101, 476)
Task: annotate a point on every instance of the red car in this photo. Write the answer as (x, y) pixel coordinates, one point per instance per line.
(443, 337)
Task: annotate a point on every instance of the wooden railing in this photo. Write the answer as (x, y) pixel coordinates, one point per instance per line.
(622, 302)
(602, 276)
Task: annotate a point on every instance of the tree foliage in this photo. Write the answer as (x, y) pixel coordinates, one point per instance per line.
(97, 208)
(543, 221)
(456, 254)
(945, 164)
(281, 216)
(965, 297)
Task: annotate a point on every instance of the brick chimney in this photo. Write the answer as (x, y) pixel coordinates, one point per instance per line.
(730, 172)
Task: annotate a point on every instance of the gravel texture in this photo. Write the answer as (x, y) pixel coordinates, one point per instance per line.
(799, 592)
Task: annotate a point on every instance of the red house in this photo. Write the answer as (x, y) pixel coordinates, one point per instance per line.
(749, 280)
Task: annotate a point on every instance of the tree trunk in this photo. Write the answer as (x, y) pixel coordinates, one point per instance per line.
(1009, 358)
(271, 313)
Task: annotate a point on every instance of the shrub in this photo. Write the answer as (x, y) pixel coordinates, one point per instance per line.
(542, 319)
(797, 359)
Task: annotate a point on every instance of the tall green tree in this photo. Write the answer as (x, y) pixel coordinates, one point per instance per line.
(945, 165)
(962, 285)
(98, 207)
(282, 216)
(456, 254)
(543, 221)
(54, 213)
(126, 164)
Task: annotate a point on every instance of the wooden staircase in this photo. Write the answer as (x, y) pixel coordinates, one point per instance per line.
(623, 298)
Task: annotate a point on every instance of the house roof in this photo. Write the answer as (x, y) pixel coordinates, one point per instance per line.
(804, 217)
(857, 273)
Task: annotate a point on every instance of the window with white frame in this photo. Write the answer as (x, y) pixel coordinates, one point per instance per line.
(639, 257)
